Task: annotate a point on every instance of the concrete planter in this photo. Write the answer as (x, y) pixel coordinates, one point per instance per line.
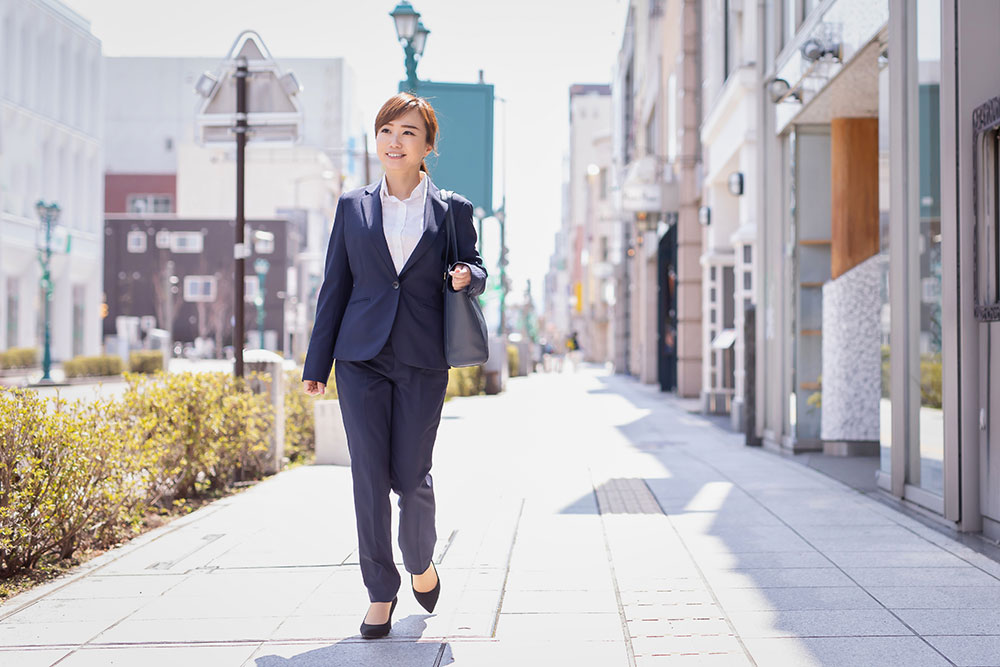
(331, 438)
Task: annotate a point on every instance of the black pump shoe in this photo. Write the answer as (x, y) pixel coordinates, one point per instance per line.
(380, 630)
(429, 599)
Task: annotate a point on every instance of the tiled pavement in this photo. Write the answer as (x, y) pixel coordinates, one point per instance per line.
(583, 520)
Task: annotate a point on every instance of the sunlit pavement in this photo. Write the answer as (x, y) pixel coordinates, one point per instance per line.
(583, 519)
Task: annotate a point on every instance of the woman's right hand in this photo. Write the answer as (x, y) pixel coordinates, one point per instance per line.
(312, 387)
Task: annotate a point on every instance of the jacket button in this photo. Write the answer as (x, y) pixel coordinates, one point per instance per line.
(395, 284)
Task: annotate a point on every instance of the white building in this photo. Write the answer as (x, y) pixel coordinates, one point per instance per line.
(50, 149)
(728, 136)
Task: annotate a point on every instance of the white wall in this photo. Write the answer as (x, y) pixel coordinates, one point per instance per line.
(50, 149)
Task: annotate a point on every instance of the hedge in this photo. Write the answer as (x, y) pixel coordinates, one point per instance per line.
(513, 360)
(84, 474)
(19, 357)
(145, 361)
(469, 381)
(107, 364)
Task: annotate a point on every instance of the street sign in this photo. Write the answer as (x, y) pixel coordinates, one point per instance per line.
(274, 112)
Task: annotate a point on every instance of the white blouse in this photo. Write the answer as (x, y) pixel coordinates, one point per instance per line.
(403, 220)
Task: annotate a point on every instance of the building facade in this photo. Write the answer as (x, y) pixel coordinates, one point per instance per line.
(877, 227)
(177, 273)
(589, 229)
(728, 136)
(51, 108)
(656, 167)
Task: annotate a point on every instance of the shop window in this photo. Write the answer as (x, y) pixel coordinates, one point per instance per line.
(199, 288)
(136, 241)
(186, 242)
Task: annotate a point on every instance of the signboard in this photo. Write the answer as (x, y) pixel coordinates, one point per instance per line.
(464, 162)
(274, 112)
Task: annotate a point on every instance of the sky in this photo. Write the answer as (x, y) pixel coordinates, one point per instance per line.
(530, 50)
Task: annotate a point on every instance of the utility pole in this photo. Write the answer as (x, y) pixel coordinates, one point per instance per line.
(240, 253)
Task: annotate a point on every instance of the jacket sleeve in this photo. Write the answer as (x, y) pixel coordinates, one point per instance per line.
(465, 235)
(330, 304)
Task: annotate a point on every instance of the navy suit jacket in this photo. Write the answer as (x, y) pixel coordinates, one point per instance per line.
(363, 302)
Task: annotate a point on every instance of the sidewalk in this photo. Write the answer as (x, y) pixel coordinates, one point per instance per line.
(583, 520)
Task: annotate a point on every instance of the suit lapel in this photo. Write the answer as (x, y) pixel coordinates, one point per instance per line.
(371, 208)
(434, 211)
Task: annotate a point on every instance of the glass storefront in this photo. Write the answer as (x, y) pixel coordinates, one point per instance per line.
(925, 465)
(885, 402)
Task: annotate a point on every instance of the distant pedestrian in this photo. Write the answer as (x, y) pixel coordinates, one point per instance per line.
(573, 350)
(379, 314)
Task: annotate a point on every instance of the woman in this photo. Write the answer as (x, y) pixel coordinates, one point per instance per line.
(379, 314)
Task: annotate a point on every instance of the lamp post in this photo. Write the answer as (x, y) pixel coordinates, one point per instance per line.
(413, 36)
(48, 214)
(261, 266)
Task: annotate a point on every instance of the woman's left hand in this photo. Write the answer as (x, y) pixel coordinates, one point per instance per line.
(460, 277)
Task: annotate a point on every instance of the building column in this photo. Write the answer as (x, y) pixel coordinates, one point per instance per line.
(852, 367)
(689, 230)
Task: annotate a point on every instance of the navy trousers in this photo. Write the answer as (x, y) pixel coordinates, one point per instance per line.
(391, 414)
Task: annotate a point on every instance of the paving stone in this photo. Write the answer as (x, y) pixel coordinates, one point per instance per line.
(158, 656)
(817, 623)
(778, 577)
(970, 651)
(894, 559)
(520, 602)
(844, 651)
(937, 597)
(50, 634)
(194, 629)
(922, 576)
(595, 627)
(504, 654)
(31, 657)
(951, 621)
(782, 599)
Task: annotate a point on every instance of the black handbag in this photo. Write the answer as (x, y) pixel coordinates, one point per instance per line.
(466, 342)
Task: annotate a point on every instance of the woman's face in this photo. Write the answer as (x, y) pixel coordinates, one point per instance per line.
(402, 142)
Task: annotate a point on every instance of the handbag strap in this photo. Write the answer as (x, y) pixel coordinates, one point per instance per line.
(451, 250)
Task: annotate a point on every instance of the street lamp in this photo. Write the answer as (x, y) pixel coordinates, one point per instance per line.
(48, 214)
(413, 36)
(261, 266)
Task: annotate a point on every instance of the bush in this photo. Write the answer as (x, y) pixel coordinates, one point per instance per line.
(513, 360)
(19, 357)
(205, 430)
(300, 420)
(107, 364)
(145, 361)
(886, 375)
(68, 478)
(469, 381)
(930, 380)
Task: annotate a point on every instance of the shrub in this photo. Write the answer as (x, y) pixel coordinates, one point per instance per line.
(145, 361)
(67, 478)
(300, 421)
(205, 430)
(886, 375)
(513, 360)
(469, 381)
(19, 357)
(107, 364)
(930, 380)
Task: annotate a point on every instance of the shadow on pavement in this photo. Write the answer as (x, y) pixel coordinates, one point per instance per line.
(401, 648)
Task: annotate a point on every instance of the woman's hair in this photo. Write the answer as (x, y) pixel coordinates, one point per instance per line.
(399, 104)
